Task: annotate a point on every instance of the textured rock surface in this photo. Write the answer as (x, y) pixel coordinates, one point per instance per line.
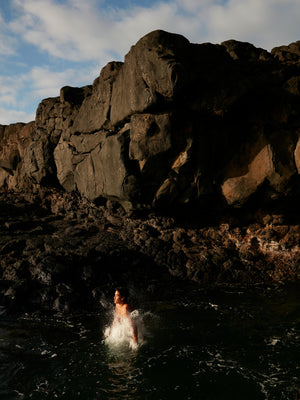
(176, 125)
(58, 252)
(14, 142)
(288, 54)
(149, 76)
(185, 158)
(94, 112)
(61, 252)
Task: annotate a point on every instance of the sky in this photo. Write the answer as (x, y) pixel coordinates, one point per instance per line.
(48, 44)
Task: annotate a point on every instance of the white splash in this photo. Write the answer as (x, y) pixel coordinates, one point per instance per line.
(119, 333)
(273, 341)
(214, 306)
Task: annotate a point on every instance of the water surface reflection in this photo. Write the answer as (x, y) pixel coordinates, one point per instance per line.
(221, 345)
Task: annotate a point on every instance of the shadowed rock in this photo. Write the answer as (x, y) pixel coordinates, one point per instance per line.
(287, 54)
(176, 125)
(184, 158)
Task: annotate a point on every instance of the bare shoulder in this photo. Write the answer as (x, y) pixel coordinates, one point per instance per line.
(129, 309)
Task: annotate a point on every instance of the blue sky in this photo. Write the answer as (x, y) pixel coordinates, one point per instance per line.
(47, 44)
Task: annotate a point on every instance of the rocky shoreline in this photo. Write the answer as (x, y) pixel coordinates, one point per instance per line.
(182, 162)
(62, 252)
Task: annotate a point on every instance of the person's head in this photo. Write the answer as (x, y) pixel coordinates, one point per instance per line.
(121, 296)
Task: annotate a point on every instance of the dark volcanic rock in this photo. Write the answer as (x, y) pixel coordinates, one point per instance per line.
(287, 54)
(194, 141)
(150, 75)
(95, 110)
(63, 258)
(176, 125)
(14, 142)
(64, 255)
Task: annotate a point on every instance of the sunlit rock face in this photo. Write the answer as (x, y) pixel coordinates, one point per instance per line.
(207, 136)
(14, 142)
(175, 125)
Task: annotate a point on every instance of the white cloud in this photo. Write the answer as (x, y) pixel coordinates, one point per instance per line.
(47, 83)
(6, 45)
(78, 31)
(18, 92)
(73, 30)
(8, 116)
(139, 21)
(265, 23)
(81, 31)
(94, 31)
(7, 42)
(9, 89)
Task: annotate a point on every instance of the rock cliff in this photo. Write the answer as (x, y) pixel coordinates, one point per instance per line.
(206, 136)
(176, 125)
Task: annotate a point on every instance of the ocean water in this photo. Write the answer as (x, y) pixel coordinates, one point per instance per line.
(230, 343)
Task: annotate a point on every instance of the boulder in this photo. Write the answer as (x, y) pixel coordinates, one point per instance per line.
(244, 51)
(4, 177)
(151, 74)
(177, 124)
(38, 157)
(69, 152)
(287, 54)
(73, 95)
(54, 117)
(237, 190)
(97, 165)
(63, 156)
(102, 172)
(152, 146)
(15, 140)
(94, 112)
(297, 156)
(293, 85)
(264, 160)
(150, 135)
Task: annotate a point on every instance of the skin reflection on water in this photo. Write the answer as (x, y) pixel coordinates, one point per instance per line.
(229, 345)
(123, 377)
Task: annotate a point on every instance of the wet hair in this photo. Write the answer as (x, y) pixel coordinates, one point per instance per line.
(123, 293)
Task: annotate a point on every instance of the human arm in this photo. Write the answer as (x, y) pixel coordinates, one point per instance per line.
(132, 324)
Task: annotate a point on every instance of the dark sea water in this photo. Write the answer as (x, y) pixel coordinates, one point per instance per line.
(221, 344)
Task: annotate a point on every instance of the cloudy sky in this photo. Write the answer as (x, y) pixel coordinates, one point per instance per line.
(47, 44)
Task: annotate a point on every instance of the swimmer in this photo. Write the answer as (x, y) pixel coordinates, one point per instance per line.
(123, 313)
